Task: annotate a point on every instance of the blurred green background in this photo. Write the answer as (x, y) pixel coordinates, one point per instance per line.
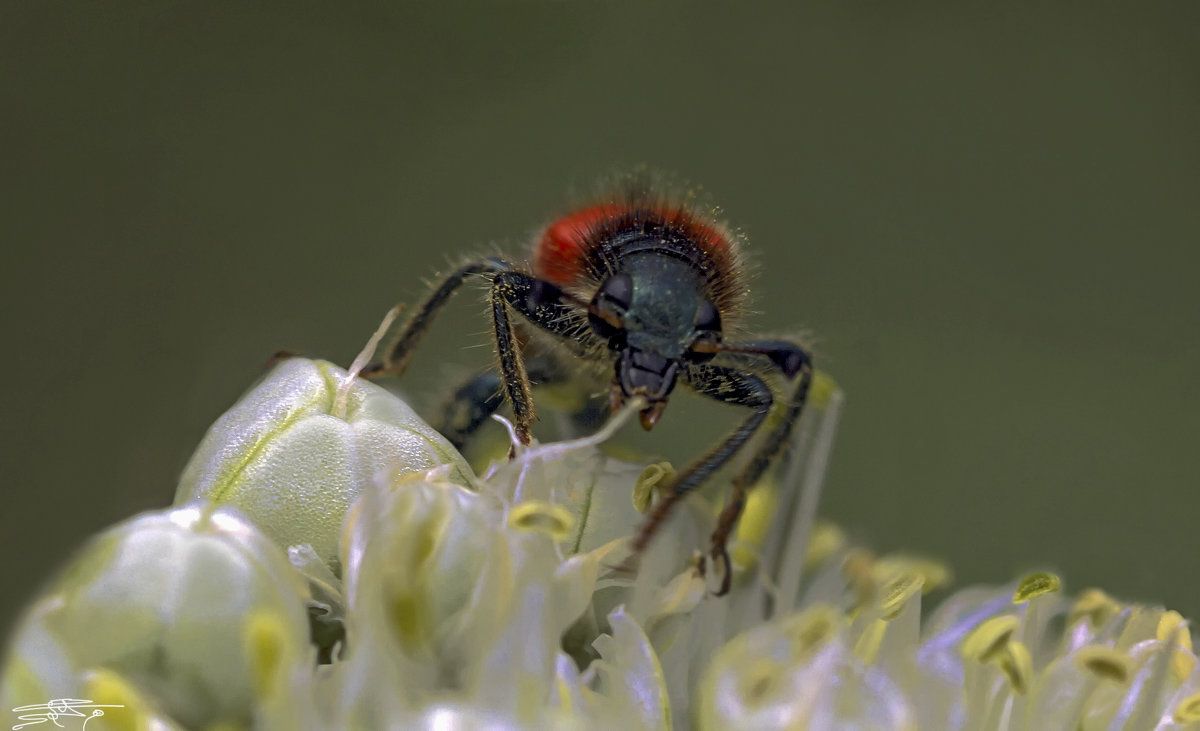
(989, 218)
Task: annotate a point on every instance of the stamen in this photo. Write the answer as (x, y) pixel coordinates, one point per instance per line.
(1017, 665)
(536, 516)
(990, 638)
(654, 476)
(1094, 605)
(1188, 709)
(1105, 662)
(1036, 584)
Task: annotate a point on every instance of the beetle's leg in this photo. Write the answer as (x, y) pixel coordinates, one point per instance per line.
(418, 324)
(794, 361)
(476, 399)
(469, 407)
(727, 385)
(741, 387)
(543, 305)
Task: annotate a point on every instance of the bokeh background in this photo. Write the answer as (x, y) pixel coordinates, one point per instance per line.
(988, 217)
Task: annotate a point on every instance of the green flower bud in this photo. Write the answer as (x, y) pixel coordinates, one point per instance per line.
(191, 607)
(300, 446)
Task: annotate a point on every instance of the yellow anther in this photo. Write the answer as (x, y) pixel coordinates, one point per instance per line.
(653, 477)
(264, 640)
(1104, 662)
(1094, 605)
(756, 520)
(1172, 625)
(897, 592)
(990, 638)
(131, 712)
(935, 574)
(825, 540)
(1168, 623)
(1017, 666)
(537, 516)
(859, 568)
(1188, 709)
(1035, 585)
(811, 628)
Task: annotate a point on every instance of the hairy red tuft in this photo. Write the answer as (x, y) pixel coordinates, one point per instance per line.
(561, 254)
(566, 253)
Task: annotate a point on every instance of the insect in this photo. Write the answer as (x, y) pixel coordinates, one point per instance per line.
(638, 291)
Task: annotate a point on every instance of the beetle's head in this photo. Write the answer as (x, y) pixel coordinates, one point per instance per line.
(658, 322)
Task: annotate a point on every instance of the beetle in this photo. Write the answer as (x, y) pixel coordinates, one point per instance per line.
(641, 291)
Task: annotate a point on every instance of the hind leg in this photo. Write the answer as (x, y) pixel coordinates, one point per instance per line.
(473, 401)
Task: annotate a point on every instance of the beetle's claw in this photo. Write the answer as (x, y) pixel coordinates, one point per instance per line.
(371, 371)
(628, 567)
(719, 554)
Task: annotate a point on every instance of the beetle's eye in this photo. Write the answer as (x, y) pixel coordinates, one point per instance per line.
(707, 333)
(708, 318)
(617, 291)
(609, 307)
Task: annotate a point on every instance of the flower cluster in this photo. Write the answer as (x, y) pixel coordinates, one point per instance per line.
(331, 562)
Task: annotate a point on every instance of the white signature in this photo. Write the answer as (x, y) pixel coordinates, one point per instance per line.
(58, 708)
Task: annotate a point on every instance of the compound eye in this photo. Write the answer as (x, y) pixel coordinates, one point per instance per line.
(708, 333)
(617, 290)
(609, 307)
(708, 319)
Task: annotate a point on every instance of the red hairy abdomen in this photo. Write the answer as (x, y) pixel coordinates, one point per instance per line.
(561, 255)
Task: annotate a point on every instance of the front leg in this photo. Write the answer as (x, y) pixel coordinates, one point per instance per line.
(727, 385)
(794, 361)
(545, 306)
(418, 324)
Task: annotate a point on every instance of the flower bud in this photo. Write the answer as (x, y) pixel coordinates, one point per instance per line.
(300, 446)
(191, 608)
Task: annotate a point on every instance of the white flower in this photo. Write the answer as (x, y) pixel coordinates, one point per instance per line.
(189, 614)
(440, 600)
